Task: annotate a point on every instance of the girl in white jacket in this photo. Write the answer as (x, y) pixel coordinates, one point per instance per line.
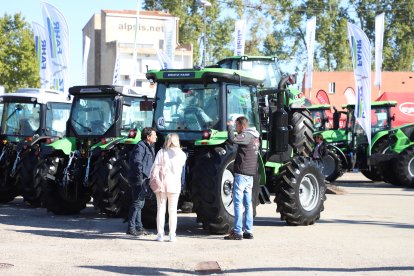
(172, 160)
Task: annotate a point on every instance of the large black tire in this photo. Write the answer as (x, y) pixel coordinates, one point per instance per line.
(211, 190)
(404, 167)
(300, 192)
(332, 166)
(377, 172)
(26, 179)
(59, 199)
(111, 191)
(301, 134)
(8, 188)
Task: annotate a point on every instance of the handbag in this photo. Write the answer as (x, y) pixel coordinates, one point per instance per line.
(156, 181)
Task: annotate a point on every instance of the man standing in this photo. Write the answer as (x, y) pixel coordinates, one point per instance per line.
(320, 150)
(245, 168)
(140, 163)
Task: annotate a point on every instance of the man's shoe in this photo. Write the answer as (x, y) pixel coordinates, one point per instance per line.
(132, 232)
(248, 236)
(142, 232)
(233, 236)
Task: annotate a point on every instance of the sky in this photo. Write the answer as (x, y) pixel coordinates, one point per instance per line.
(77, 13)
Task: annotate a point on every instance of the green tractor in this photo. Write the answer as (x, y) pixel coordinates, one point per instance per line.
(92, 161)
(299, 117)
(351, 145)
(31, 117)
(195, 104)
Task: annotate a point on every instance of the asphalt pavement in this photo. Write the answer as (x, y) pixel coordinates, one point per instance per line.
(366, 229)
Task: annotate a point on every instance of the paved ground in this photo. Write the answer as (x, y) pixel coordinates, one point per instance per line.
(368, 230)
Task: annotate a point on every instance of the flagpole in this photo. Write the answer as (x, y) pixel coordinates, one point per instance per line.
(134, 54)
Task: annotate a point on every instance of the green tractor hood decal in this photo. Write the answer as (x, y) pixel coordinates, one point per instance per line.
(334, 136)
(216, 138)
(67, 145)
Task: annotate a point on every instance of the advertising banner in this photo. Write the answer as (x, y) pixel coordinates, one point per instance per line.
(85, 59)
(164, 60)
(361, 59)
(58, 41)
(41, 47)
(170, 34)
(115, 79)
(379, 40)
(310, 44)
(322, 97)
(239, 37)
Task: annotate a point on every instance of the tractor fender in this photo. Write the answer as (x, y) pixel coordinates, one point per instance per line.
(340, 153)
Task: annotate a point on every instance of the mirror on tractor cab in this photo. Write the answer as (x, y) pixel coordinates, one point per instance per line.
(146, 105)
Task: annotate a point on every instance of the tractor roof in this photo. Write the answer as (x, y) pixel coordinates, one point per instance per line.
(41, 96)
(106, 90)
(204, 75)
(319, 106)
(375, 104)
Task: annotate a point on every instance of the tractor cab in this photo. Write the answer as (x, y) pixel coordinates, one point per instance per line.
(196, 104)
(107, 111)
(32, 111)
(320, 117)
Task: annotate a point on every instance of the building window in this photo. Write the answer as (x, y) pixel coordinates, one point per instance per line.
(331, 88)
(161, 44)
(138, 83)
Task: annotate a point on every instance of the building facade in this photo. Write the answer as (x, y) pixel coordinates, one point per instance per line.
(113, 41)
(340, 86)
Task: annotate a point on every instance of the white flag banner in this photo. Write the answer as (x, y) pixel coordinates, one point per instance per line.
(169, 36)
(239, 37)
(361, 59)
(58, 40)
(41, 46)
(310, 43)
(115, 79)
(379, 40)
(164, 59)
(85, 59)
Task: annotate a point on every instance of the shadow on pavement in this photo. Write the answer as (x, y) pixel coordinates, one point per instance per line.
(165, 271)
(368, 222)
(137, 270)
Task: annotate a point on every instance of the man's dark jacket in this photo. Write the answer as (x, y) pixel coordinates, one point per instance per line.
(140, 162)
(247, 150)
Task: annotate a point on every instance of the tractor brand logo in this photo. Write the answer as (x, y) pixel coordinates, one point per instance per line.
(407, 108)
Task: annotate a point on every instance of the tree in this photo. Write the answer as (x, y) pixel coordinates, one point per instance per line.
(398, 51)
(191, 25)
(18, 63)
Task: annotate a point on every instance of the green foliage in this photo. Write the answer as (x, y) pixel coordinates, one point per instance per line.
(18, 63)
(277, 28)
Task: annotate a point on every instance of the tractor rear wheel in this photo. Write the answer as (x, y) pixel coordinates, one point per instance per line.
(8, 189)
(58, 198)
(332, 166)
(111, 191)
(211, 190)
(377, 172)
(404, 167)
(301, 135)
(300, 192)
(26, 179)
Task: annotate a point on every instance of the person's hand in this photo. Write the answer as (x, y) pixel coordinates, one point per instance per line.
(230, 123)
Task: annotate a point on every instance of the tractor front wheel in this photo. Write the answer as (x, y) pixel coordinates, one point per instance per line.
(58, 197)
(332, 166)
(300, 192)
(8, 189)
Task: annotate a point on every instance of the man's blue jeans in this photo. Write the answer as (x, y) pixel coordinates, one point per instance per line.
(138, 201)
(242, 196)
